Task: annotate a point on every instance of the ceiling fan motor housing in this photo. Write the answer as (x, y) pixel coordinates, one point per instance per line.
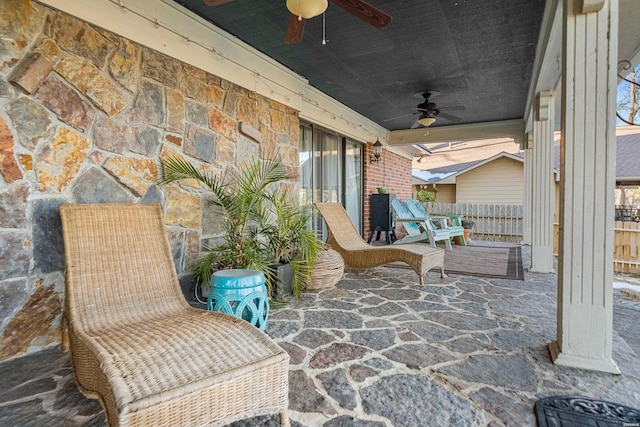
(307, 8)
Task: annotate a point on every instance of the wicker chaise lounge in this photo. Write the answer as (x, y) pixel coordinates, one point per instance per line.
(136, 344)
(344, 238)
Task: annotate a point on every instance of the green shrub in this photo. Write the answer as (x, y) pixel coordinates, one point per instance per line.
(425, 196)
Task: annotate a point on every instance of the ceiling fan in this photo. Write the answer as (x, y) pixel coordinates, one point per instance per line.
(429, 111)
(301, 10)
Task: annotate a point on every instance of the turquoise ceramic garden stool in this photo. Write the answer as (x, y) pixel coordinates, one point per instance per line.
(241, 293)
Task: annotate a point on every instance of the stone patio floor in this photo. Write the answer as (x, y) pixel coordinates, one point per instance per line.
(380, 350)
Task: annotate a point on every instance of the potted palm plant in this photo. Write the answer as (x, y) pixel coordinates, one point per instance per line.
(292, 244)
(261, 228)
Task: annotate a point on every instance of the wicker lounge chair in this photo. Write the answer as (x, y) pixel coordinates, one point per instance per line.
(137, 345)
(344, 238)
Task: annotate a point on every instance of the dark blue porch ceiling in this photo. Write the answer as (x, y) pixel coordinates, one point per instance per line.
(477, 53)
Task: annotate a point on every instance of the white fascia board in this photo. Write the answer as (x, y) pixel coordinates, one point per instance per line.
(323, 110)
(489, 160)
(417, 181)
(629, 179)
(167, 27)
(547, 66)
(399, 151)
(629, 32)
(451, 179)
(506, 128)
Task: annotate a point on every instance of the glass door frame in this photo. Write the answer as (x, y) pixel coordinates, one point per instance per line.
(342, 141)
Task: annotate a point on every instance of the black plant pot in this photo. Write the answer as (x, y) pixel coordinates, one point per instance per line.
(284, 285)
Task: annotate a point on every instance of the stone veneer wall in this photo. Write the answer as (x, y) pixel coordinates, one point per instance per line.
(85, 116)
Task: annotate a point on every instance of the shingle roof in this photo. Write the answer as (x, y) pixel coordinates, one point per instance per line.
(628, 157)
(438, 174)
(627, 160)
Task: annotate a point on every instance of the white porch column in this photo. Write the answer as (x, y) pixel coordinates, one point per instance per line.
(528, 179)
(587, 162)
(543, 188)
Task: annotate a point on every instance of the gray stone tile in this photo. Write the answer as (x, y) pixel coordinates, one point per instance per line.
(496, 370)
(304, 395)
(347, 420)
(427, 306)
(379, 363)
(383, 310)
(336, 353)
(332, 319)
(360, 373)
(508, 409)
(431, 331)
(337, 385)
(296, 354)
(313, 338)
(376, 339)
(414, 400)
(364, 354)
(418, 356)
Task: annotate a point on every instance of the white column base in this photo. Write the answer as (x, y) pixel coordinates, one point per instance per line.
(532, 269)
(572, 361)
(541, 259)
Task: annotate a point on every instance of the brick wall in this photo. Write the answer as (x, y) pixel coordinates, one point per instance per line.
(392, 172)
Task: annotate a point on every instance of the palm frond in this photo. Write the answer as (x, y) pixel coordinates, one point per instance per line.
(261, 227)
(176, 168)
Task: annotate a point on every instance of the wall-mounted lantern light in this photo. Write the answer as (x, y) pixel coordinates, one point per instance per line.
(377, 152)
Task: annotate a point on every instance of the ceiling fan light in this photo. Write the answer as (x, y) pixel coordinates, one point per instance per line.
(307, 8)
(426, 121)
(423, 158)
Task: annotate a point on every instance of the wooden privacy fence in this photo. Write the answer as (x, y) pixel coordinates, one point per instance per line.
(626, 258)
(504, 223)
(501, 223)
(626, 240)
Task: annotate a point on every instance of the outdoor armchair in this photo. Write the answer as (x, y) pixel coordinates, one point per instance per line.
(418, 210)
(419, 227)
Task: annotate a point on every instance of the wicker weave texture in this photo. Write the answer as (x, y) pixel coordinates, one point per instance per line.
(344, 238)
(327, 271)
(139, 347)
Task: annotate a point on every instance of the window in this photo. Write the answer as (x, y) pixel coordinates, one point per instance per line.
(330, 171)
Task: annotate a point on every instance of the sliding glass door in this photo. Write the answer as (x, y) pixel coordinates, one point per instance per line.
(330, 171)
(353, 182)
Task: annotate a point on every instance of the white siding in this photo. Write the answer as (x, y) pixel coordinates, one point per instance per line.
(498, 182)
(446, 193)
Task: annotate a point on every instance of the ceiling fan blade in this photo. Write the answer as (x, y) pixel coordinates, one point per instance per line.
(216, 2)
(454, 108)
(449, 117)
(295, 29)
(399, 117)
(369, 14)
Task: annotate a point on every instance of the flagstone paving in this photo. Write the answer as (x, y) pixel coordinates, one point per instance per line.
(381, 350)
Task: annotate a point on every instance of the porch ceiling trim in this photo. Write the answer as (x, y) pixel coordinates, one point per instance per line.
(507, 128)
(547, 67)
(630, 181)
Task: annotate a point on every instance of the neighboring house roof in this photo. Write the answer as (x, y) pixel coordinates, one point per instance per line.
(438, 174)
(628, 159)
(447, 169)
(456, 152)
(448, 174)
